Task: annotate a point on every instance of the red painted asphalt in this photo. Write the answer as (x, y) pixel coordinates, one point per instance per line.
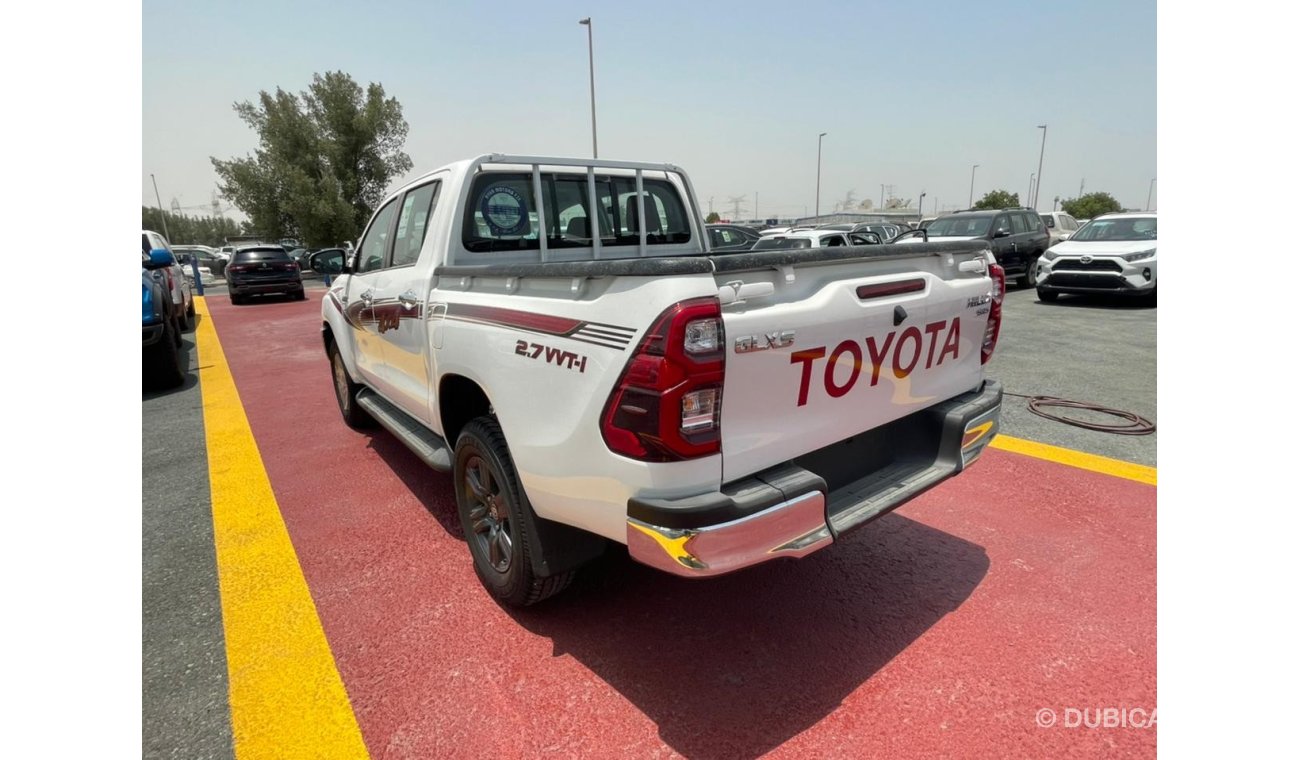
(941, 629)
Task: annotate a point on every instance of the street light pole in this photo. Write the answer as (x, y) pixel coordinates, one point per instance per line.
(161, 213)
(1042, 148)
(920, 208)
(591, 68)
(817, 210)
(1149, 191)
(971, 202)
(1031, 188)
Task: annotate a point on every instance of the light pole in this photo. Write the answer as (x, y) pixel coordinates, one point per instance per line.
(1150, 190)
(817, 210)
(882, 196)
(1056, 202)
(1042, 148)
(920, 209)
(161, 212)
(591, 68)
(1031, 188)
(971, 202)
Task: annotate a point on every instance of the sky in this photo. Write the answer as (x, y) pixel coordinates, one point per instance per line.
(910, 95)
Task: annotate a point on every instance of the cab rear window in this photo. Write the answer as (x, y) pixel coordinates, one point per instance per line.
(502, 215)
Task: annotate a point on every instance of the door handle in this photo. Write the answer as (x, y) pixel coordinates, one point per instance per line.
(409, 299)
(366, 298)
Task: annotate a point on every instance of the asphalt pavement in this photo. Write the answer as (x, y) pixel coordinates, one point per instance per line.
(1091, 349)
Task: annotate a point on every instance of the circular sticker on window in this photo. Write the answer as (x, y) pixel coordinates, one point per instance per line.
(504, 210)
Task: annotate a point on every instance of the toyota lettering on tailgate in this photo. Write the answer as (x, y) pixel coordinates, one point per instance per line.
(902, 351)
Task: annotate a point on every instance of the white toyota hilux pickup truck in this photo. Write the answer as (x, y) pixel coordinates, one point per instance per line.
(557, 335)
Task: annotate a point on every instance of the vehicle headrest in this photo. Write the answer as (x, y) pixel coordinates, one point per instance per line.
(578, 227)
(634, 214)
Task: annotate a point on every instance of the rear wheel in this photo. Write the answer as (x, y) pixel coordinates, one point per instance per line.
(492, 512)
(345, 391)
(189, 317)
(1047, 295)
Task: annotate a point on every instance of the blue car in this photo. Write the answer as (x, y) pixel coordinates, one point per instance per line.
(161, 339)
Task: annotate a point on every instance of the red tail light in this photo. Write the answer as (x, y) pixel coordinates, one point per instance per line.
(237, 268)
(667, 404)
(999, 276)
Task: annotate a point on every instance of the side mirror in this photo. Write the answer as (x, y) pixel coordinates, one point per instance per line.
(327, 262)
(160, 258)
(1002, 233)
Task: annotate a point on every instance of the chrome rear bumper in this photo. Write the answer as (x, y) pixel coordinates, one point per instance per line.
(791, 510)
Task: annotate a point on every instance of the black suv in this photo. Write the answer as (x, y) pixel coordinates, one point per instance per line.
(1016, 235)
(261, 270)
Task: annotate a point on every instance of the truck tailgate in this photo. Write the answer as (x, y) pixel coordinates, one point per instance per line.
(837, 346)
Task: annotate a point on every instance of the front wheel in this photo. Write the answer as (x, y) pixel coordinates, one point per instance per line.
(492, 508)
(1047, 295)
(345, 392)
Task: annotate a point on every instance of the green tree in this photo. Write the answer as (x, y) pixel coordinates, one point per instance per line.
(1091, 205)
(996, 199)
(712, 218)
(188, 230)
(324, 160)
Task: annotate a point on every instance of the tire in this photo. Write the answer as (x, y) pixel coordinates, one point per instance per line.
(1047, 296)
(162, 362)
(236, 300)
(493, 511)
(301, 295)
(1026, 280)
(187, 320)
(345, 392)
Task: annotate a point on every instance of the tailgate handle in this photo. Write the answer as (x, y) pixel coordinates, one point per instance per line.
(979, 266)
(738, 291)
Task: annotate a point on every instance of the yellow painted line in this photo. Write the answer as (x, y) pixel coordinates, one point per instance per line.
(287, 699)
(1105, 465)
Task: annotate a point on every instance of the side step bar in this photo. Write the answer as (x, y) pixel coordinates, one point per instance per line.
(426, 444)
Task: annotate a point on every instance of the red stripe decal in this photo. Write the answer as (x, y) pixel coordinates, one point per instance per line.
(511, 318)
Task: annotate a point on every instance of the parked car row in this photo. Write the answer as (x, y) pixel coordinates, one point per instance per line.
(167, 312)
(1051, 251)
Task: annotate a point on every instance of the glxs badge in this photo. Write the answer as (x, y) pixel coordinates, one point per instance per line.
(780, 339)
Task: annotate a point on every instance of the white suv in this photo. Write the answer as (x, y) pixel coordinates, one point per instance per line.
(1112, 254)
(1060, 225)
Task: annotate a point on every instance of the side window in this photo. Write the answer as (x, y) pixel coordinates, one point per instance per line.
(832, 240)
(375, 244)
(1069, 223)
(1034, 222)
(1018, 224)
(1002, 224)
(413, 222)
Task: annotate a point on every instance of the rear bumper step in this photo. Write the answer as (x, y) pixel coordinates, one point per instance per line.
(803, 505)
